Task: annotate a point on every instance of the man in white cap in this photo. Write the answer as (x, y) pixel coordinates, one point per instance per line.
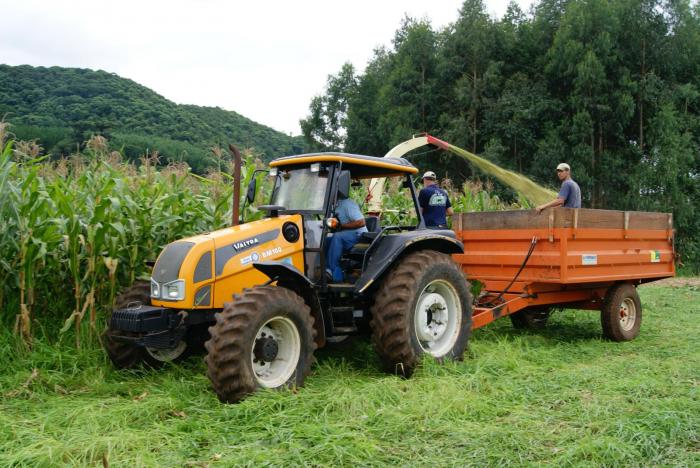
(434, 203)
(569, 194)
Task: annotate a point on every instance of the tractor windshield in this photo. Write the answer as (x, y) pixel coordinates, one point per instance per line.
(300, 190)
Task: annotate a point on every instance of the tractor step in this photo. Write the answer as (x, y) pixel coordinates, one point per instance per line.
(341, 287)
(343, 320)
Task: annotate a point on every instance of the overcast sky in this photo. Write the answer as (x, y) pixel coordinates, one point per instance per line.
(264, 59)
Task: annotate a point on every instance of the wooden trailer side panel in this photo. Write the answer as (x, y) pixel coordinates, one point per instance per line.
(561, 218)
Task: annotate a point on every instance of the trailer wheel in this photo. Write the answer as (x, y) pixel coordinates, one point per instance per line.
(621, 314)
(125, 355)
(422, 307)
(532, 318)
(265, 338)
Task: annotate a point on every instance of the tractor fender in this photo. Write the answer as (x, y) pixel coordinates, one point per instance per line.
(288, 276)
(392, 247)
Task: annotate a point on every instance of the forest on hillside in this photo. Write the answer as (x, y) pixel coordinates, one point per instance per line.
(611, 87)
(63, 107)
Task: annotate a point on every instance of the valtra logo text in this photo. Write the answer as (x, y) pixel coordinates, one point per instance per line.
(245, 243)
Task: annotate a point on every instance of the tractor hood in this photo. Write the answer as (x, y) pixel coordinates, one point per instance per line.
(206, 270)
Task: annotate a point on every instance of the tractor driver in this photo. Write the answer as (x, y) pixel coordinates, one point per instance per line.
(350, 224)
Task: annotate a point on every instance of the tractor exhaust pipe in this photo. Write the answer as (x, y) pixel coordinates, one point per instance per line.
(237, 162)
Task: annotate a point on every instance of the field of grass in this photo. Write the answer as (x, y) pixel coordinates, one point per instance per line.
(563, 396)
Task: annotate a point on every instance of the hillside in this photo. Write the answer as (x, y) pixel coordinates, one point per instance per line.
(62, 107)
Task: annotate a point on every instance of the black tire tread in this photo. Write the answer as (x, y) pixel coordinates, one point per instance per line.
(391, 326)
(122, 354)
(609, 313)
(532, 318)
(227, 352)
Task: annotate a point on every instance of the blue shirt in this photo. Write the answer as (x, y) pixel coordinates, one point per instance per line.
(435, 203)
(347, 211)
(571, 193)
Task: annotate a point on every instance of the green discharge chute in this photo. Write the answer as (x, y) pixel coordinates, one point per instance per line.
(532, 191)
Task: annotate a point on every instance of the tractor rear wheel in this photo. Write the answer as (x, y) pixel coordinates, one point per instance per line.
(126, 355)
(621, 314)
(532, 318)
(422, 307)
(265, 338)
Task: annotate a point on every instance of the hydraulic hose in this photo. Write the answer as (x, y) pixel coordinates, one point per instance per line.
(533, 243)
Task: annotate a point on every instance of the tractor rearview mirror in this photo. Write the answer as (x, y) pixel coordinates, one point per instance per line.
(344, 184)
(252, 188)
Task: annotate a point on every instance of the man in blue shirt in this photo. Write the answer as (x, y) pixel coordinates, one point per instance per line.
(349, 218)
(569, 194)
(434, 203)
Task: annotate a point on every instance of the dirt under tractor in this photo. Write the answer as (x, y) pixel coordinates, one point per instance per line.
(258, 296)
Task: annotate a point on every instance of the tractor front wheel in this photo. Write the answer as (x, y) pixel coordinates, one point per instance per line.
(621, 314)
(422, 307)
(265, 338)
(127, 355)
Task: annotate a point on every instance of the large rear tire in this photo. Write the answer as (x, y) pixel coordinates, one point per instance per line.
(423, 306)
(621, 314)
(265, 338)
(126, 355)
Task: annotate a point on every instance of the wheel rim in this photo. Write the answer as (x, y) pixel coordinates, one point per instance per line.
(167, 354)
(275, 352)
(437, 318)
(628, 314)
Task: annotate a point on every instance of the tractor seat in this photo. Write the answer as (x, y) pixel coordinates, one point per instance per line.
(366, 238)
(372, 224)
(359, 248)
(373, 229)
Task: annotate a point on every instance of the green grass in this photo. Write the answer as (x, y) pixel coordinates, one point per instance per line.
(563, 396)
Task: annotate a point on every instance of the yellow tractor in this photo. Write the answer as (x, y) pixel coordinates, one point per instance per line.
(258, 294)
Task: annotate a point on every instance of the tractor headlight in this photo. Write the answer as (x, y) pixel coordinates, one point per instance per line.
(155, 289)
(174, 291)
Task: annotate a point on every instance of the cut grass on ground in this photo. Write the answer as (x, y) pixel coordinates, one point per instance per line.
(563, 396)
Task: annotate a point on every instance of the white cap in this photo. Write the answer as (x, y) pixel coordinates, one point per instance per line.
(563, 167)
(429, 175)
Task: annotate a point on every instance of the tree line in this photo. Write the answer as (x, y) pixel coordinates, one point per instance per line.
(611, 87)
(64, 107)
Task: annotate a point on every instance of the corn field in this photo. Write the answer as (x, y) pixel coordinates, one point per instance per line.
(72, 232)
(75, 231)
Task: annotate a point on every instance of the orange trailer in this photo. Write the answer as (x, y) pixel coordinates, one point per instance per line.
(528, 263)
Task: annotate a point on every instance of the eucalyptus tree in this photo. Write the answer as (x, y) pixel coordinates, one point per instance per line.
(325, 126)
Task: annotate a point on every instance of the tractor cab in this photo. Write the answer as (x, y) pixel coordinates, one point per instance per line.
(257, 292)
(312, 185)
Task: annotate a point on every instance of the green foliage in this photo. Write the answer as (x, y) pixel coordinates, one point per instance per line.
(76, 230)
(324, 128)
(64, 107)
(611, 87)
(557, 397)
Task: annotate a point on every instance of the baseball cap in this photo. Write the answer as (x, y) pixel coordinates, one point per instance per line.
(429, 175)
(563, 167)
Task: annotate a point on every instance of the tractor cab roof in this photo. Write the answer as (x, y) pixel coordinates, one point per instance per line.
(360, 167)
